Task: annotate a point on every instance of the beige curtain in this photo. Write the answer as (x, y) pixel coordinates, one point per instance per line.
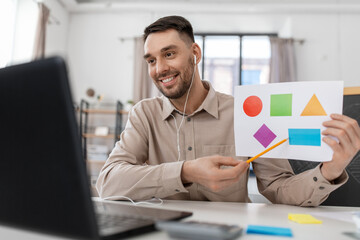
(40, 36)
(143, 85)
(282, 61)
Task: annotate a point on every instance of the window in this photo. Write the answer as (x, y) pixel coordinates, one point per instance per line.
(234, 59)
(7, 26)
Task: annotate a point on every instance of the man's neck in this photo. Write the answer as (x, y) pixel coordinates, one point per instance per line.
(197, 95)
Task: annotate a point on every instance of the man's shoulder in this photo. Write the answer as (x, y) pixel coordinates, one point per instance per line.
(149, 104)
(224, 98)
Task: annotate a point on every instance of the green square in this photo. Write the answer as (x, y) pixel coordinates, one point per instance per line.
(280, 105)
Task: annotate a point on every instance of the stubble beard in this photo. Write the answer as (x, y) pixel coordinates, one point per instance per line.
(183, 84)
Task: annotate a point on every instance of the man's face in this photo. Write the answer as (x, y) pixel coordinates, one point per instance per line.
(170, 62)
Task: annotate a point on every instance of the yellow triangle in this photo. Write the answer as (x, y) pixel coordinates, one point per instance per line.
(313, 108)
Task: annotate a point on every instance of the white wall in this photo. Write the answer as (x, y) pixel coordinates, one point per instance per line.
(98, 59)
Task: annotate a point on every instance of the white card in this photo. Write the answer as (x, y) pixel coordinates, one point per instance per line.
(266, 114)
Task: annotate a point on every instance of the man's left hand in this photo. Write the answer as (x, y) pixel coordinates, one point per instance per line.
(347, 131)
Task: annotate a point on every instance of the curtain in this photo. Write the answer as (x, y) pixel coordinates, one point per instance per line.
(143, 85)
(282, 61)
(40, 36)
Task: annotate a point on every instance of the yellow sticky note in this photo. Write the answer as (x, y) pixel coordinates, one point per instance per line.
(303, 218)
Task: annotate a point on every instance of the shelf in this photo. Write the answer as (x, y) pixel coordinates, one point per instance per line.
(92, 135)
(104, 111)
(88, 135)
(351, 90)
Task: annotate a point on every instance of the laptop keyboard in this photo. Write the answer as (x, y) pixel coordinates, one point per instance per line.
(106, 221)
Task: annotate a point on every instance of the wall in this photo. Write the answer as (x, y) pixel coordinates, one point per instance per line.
(98, 59)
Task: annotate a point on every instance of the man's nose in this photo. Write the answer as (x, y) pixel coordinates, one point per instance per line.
(161, 67)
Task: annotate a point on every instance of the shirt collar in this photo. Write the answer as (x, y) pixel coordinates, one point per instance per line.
(210, 104)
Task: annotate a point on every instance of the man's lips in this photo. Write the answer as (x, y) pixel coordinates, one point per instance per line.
(168, 81)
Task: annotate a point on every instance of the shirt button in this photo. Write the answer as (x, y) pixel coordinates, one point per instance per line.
(189, 148)
(188, 119)
(321, 187)
(177, 190)
(315, 179)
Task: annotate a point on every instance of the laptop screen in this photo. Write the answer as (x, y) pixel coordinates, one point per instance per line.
(43, 177)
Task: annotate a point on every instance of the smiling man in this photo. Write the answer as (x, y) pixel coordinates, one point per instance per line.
(181, 145)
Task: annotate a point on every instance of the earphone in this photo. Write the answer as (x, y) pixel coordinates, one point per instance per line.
(183, 115)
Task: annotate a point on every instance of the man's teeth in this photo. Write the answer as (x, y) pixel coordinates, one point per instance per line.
(167, 80)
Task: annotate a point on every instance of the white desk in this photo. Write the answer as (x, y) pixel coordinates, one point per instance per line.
(241, 214)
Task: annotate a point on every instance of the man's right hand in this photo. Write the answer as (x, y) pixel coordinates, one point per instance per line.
(207, 172)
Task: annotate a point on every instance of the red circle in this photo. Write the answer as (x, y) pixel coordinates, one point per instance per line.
(252, 106)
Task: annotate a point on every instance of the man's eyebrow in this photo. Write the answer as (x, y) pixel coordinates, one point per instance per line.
(147, 55)
(164, 49)
(168, 48)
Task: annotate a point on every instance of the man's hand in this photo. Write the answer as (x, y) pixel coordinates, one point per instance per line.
(207, 172)
(347, 131)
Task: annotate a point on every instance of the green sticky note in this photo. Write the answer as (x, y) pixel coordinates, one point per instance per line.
(281, 105)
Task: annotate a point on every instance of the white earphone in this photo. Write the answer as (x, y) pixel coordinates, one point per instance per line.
(183, 115)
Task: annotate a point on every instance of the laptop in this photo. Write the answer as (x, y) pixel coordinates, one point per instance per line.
(43, 181)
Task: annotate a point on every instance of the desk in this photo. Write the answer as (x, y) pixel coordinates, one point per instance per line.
(241, 214)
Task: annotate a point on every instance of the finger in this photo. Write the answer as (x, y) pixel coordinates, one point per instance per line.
(340, 134)
(344, 148)
(350, 124)
(232, 173)
(226, 161)
(334, 145)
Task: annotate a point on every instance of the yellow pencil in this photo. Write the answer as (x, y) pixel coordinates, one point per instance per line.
(266, 150)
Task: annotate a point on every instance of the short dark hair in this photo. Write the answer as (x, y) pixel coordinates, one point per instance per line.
(180, 24)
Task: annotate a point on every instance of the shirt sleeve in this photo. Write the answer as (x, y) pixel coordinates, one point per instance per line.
(278, 183)
(126, 174)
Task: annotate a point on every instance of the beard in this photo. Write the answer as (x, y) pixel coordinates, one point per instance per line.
(182, 86)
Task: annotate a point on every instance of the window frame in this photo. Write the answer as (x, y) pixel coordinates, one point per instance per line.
(203, 35)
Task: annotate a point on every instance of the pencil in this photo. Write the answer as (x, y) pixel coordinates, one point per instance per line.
(266, 150)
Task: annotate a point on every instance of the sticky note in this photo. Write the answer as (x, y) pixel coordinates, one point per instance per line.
(303, 218)
(307, 137)
(268, 230)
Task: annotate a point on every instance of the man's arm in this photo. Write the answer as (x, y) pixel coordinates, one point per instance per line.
(126, 173)
(277, 182)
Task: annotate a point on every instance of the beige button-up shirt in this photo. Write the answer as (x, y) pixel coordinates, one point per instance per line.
(144, 163)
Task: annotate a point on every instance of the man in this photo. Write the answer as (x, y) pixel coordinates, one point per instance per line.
(181, 145)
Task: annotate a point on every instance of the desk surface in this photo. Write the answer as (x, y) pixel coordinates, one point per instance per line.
(241, 214)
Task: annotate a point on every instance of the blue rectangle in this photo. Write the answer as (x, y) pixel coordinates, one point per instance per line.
(267, 230)
(308, 137)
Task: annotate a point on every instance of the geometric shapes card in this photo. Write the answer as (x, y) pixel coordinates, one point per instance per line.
(313, 108)
(264, 135)
(281, 105)
(280, 102)
(252, 106)
(305, 137)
